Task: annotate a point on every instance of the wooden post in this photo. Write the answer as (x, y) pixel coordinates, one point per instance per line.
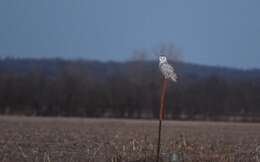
(163, 92)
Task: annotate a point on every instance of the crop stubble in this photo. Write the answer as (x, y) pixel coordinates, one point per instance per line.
(75, 139)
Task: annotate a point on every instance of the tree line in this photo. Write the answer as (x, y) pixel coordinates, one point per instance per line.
(54, 87)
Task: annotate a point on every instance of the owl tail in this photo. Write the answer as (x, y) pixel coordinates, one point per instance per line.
(174, 78)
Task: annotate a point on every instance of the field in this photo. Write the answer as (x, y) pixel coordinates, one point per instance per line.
(105, 140)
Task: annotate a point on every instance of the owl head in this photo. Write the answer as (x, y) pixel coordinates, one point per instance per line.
(162, 59)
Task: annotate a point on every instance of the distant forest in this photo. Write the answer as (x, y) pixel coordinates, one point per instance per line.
(57, 87)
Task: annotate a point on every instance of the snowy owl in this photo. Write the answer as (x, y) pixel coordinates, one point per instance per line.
(166, 69)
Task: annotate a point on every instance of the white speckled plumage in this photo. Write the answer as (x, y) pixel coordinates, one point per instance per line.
(166, 69)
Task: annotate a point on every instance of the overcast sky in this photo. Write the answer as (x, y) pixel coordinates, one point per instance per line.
(213, 32)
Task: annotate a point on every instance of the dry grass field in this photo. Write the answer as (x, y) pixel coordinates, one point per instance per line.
(110, 140)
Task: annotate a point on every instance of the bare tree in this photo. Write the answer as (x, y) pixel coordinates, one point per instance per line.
(170, 51)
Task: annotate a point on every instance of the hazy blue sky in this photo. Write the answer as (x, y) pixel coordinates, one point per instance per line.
(214, 32)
